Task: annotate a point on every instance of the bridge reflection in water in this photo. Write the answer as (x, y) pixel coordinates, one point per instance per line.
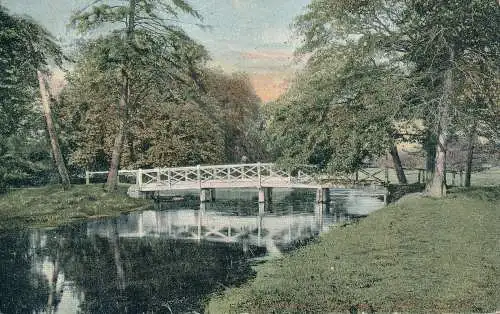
(275, 227)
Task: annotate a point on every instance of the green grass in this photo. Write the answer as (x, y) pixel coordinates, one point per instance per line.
(487, 177)
(52, 206)
(418, 255)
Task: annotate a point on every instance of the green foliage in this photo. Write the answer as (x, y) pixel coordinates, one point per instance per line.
(419, 255)
(430, 32)
(239, 113)
(25, 47)
(148, 31)
(156, 101)
(178, 115)
(339, 112)
(375, 67)
(148, 14)
(178, 112)
(24, 161)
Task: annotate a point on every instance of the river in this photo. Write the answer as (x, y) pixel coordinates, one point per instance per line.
(169, 259)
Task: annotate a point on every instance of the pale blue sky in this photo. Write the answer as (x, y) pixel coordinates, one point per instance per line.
(249, 35)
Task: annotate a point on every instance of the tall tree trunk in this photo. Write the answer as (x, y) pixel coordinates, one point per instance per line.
(437, 186)
(56, 151)
(430, 150)
(397, 165)
(470, 155)
(112, 181)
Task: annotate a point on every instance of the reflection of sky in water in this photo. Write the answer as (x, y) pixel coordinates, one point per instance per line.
(143, 262)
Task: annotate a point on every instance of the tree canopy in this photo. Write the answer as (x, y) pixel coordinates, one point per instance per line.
(376, 66)
(171, 122)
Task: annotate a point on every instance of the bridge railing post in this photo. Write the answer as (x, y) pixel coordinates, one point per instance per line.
(258, 174)
(198, 174)
(139, 177)
(87, 177)
(158, 175)
(169, 180)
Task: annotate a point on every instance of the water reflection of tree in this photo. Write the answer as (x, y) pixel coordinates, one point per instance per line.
(21, 289)
(157, 274)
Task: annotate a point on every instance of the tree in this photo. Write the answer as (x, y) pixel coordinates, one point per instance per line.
(478, 107)
(441, 41)
(341, 111)
(239, 108)
(429, 42)
(171, 122)
(146, 23)
(56, 150)
(26, 49)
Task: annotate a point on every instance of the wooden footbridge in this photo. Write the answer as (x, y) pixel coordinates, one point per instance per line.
(262, 176)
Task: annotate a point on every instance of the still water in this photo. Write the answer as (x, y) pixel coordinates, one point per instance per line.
(166, 260)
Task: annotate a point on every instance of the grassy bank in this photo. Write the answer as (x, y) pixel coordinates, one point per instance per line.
(419, 255)
(51, 206)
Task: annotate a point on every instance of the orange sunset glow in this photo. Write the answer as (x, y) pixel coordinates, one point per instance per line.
(269, 86)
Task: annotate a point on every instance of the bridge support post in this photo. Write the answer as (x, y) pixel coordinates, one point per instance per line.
(262, 209)
(323, 195)
(138, 179)
(265, 195)
(205, 195)
(212, 195)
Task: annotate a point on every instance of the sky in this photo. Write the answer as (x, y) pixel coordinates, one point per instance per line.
(253, 36)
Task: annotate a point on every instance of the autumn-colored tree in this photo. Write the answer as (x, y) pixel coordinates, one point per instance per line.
(239, 109)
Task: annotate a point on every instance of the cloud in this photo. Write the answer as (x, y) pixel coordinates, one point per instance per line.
(274, 55)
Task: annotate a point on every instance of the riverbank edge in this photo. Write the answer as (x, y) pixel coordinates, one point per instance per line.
(417, 255)
(51, 206)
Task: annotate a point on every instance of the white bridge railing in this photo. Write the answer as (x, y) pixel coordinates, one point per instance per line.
(256, 173)
(241, 175)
